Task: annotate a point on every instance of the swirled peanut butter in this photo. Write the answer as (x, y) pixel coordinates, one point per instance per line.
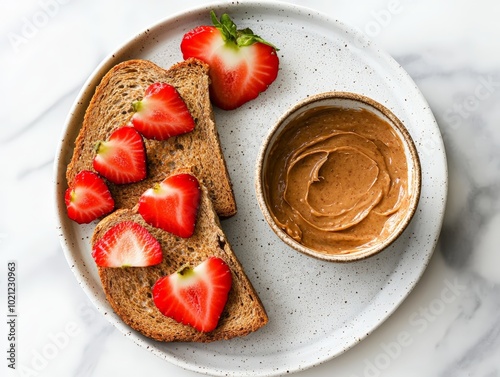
(336, 179)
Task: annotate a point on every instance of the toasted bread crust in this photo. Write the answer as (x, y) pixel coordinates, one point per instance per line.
(128, 290)
(111, 107)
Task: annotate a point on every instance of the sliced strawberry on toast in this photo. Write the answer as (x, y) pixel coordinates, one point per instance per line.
(122, 158)
(129, 290)
(88, 198)
(242, 64)
(195, 296)
(162, 113)
(172, 205)
(127, 244)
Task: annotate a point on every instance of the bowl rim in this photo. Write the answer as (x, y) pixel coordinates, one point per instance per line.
(415, 169)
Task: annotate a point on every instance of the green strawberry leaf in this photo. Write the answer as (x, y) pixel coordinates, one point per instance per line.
(231, 34)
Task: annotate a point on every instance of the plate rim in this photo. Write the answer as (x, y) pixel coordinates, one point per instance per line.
(90, 84)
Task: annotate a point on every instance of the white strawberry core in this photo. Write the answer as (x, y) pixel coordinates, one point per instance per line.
(232, 58)
(129, 251)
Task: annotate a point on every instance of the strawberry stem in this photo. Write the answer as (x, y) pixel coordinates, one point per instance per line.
(137, 106)
(156, 187)
(185, 270)
(231, 34)
(97, 147)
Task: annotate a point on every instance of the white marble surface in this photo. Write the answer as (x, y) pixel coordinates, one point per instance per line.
(448, 326)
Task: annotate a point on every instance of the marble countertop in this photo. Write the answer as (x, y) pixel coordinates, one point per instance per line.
(449, 48)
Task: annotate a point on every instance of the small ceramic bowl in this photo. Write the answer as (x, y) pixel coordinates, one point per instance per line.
(343, 100)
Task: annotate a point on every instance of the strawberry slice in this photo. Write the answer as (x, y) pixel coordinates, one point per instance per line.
(127, 244)
(172, 205)
(88, 198)
(122, 158)
(242, 64)
(162, 113)
(195, 296)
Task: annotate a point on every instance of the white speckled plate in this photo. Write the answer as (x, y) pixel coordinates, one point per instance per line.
(317, 309)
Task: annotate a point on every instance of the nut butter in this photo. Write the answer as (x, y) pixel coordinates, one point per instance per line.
(336, 179)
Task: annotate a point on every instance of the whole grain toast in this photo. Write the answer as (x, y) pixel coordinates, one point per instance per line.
(111, 107)
(128, 290)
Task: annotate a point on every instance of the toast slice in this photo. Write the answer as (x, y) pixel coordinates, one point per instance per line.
(111, 107)
(128, 290)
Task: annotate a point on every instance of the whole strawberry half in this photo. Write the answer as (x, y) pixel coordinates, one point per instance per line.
(242, 64)
(122, 158)
(195, 296)
(88, 198)
(162, 113)
(172, 205)
(127, 244)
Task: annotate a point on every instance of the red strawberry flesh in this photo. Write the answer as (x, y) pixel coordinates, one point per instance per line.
(162, 113)
(127, 244)
(195, 296)
(88, 198)
(172, 205)
(122, 158)
(242, 64)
